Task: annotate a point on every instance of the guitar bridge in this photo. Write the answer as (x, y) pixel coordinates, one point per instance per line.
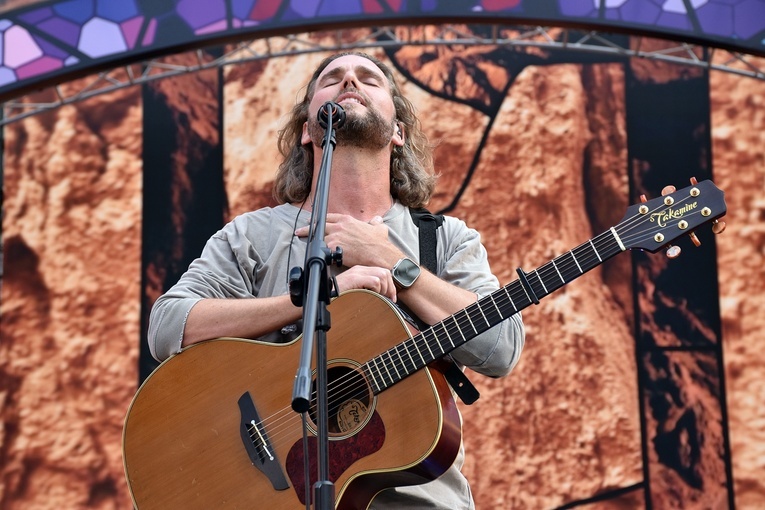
(255, 439)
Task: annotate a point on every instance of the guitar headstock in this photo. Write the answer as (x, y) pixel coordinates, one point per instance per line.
(654, 224)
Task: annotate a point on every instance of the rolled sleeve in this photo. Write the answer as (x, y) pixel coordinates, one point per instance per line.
(167, 322)
(464, 262)
(217, 273)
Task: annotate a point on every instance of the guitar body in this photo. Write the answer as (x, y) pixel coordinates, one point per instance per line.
(184, 447)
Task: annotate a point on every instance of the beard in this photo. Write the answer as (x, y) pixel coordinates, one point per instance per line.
(363, 131)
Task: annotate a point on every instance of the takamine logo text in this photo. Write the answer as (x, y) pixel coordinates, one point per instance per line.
(664, 217)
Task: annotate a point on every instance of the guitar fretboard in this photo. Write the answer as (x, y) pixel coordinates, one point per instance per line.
(433, 343)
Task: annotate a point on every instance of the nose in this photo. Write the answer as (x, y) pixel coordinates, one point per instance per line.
(350, 80)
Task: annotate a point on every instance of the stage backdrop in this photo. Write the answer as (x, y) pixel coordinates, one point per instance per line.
(641, 384)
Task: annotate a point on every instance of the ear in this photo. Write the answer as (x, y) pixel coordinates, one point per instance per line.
(399, 136)
(306, 138)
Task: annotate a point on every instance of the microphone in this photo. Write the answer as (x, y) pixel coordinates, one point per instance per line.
(338, 114)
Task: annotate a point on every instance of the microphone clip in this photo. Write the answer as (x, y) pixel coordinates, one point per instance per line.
(331, 113)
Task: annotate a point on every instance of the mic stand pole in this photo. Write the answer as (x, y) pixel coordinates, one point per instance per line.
(316, 317)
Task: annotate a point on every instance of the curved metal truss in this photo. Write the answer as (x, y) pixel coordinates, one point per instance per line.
(519, 39)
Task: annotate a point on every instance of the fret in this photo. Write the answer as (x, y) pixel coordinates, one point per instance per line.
(390, 357)
(400, 359)
(557, 271)
(427, 344)
(414, 365)
(538, 289)
(499, 312)
(582, 252)
(540, 281)
(409, 364)
(507, 293)
(448, 336)
(576, 261)
(521, 296)
(413, 341)
(379, 372)
(459, 329)
(480, 309)
(470, 320)
(596, 251)
(384, 370)
(385, 366)
(372, 378)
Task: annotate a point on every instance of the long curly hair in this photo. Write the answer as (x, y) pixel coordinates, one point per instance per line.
(412, 176)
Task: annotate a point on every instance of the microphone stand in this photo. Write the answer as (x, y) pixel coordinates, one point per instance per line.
(313, 288)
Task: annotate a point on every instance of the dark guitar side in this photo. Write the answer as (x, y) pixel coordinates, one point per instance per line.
(181, 441)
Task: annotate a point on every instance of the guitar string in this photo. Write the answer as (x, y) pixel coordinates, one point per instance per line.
(404, 366)
(360, 388)
(363, 389)
(549, 270)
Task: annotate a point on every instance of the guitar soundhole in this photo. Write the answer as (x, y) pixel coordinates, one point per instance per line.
(349, 401)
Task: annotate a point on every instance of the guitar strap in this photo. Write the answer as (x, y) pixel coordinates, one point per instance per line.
(428, 223)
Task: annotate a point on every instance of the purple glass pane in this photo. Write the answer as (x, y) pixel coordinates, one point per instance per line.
(304, 8)
(674, 20)
(62, 30)
(50, 49)
(6, 76)
(33, 17)
(339, 7)
(241, 8)
(100, 38)
(716, 19)
(78, 11)
(116, 11)
(585, 8)
(200, 13)
(749, 18)
(20, 48)
(639, 11)
(151, 32)
(218, 26)
(40, 66)
(131, 29)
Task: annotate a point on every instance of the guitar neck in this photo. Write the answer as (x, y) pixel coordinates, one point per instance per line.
(433, 343)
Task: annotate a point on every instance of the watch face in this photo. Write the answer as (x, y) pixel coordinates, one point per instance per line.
(405, 272)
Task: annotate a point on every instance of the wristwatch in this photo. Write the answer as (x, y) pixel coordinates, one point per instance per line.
(405, 273)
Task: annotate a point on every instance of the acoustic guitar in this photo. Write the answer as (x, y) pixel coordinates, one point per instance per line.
(213, 426)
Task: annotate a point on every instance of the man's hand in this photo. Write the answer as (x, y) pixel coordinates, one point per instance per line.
(363, 243)
(376, 279)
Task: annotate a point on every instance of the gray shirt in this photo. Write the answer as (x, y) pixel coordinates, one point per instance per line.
(251, 257)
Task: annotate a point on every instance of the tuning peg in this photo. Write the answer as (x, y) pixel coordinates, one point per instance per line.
(667, 190)
(673, 252)
(718, 227)
(695, 239)
(643, 198)
(694, 181)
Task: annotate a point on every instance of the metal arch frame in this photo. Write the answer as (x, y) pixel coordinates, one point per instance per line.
(566, 39)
